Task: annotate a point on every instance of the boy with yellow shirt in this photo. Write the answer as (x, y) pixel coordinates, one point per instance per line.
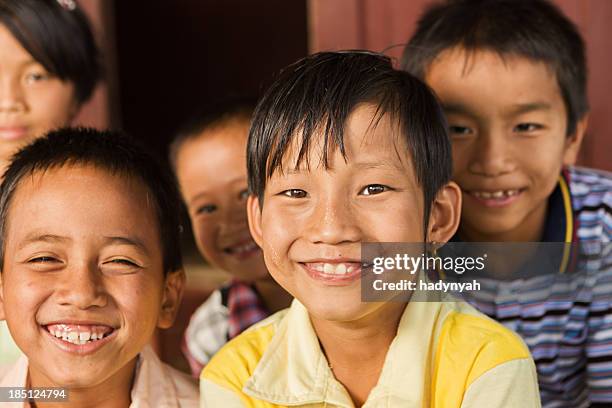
(345, 150)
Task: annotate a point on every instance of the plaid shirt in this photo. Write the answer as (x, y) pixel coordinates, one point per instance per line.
(226, 313)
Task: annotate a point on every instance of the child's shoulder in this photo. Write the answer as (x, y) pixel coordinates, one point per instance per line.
(237, 360)
(589, 187)
(157, 381)
(591, 195)
(466, 327)
(473, 347)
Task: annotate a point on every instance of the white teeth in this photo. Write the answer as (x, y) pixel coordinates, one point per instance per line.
(333, 269)
(495, 194)
(74, 337)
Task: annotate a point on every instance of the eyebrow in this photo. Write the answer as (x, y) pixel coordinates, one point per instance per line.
(51, 238)
(455, 108)
(129, 240)
(517, 109)
(34, 238)
(377, 165)
(529, 107)
(360, 165)
(203, 193)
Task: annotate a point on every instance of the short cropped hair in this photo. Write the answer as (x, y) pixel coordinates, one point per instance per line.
(58, 38)
(319, 92)
(533, 29)
(209, 116)
(110, 151)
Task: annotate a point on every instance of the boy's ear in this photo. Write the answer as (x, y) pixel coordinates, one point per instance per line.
(573, 142)
(171, 300)
(254, 216)
(445, 213)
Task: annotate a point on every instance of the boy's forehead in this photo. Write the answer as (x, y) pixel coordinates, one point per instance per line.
(369, 136)
(80, 180)
(467, 61)
(485, 81)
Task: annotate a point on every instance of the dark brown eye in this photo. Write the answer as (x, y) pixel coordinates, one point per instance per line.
(295, 193)
(373, 189)
(527, 127)
(206, 209)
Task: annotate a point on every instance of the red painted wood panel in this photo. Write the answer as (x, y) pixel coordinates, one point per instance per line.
(385, 25)
(101, 111)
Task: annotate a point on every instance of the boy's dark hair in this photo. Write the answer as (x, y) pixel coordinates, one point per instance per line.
(58, 38)
(533, 29)
(209, 116)
(110, 151)
(319, 92)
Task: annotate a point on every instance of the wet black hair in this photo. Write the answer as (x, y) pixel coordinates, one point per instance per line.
(533, 29)
(314, 97)
(209, 116)
(110, 151)
(57, 37)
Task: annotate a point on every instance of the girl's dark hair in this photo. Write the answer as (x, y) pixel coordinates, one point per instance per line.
(111, 151)
(534, 29)
(314, 97)
(59, 38)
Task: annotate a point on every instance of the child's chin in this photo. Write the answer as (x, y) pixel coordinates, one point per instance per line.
(79, 379)
(338, 310)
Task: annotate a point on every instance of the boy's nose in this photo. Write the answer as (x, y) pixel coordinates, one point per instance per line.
(82, 287)
(492, 156)
(332, 222)
(11, 96)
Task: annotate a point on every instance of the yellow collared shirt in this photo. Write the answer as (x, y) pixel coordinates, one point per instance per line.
(445, 354)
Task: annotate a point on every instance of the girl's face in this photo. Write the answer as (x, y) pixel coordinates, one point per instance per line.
(32, 101)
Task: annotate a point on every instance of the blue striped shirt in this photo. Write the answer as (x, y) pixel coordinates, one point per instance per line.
(566, 318)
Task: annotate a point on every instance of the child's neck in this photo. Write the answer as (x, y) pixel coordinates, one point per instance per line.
(359, 347)
(273, 295)
(530, 230)
(114, 392)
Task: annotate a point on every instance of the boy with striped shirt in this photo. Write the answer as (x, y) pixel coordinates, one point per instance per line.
(511, 76)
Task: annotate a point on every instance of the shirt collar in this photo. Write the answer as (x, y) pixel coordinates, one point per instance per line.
(152, 386)
(294, 371)
(559, 225)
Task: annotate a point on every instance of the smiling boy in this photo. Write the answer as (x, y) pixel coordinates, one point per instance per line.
(209, 160)
(90, 268)
(511, 76)
(343, 149)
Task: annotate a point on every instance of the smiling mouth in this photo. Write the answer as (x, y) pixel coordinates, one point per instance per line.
(496, 198)
(9, 133)
(242, 250)
(79, 334)
(335, 273)
(335, 269)
(496, 193)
